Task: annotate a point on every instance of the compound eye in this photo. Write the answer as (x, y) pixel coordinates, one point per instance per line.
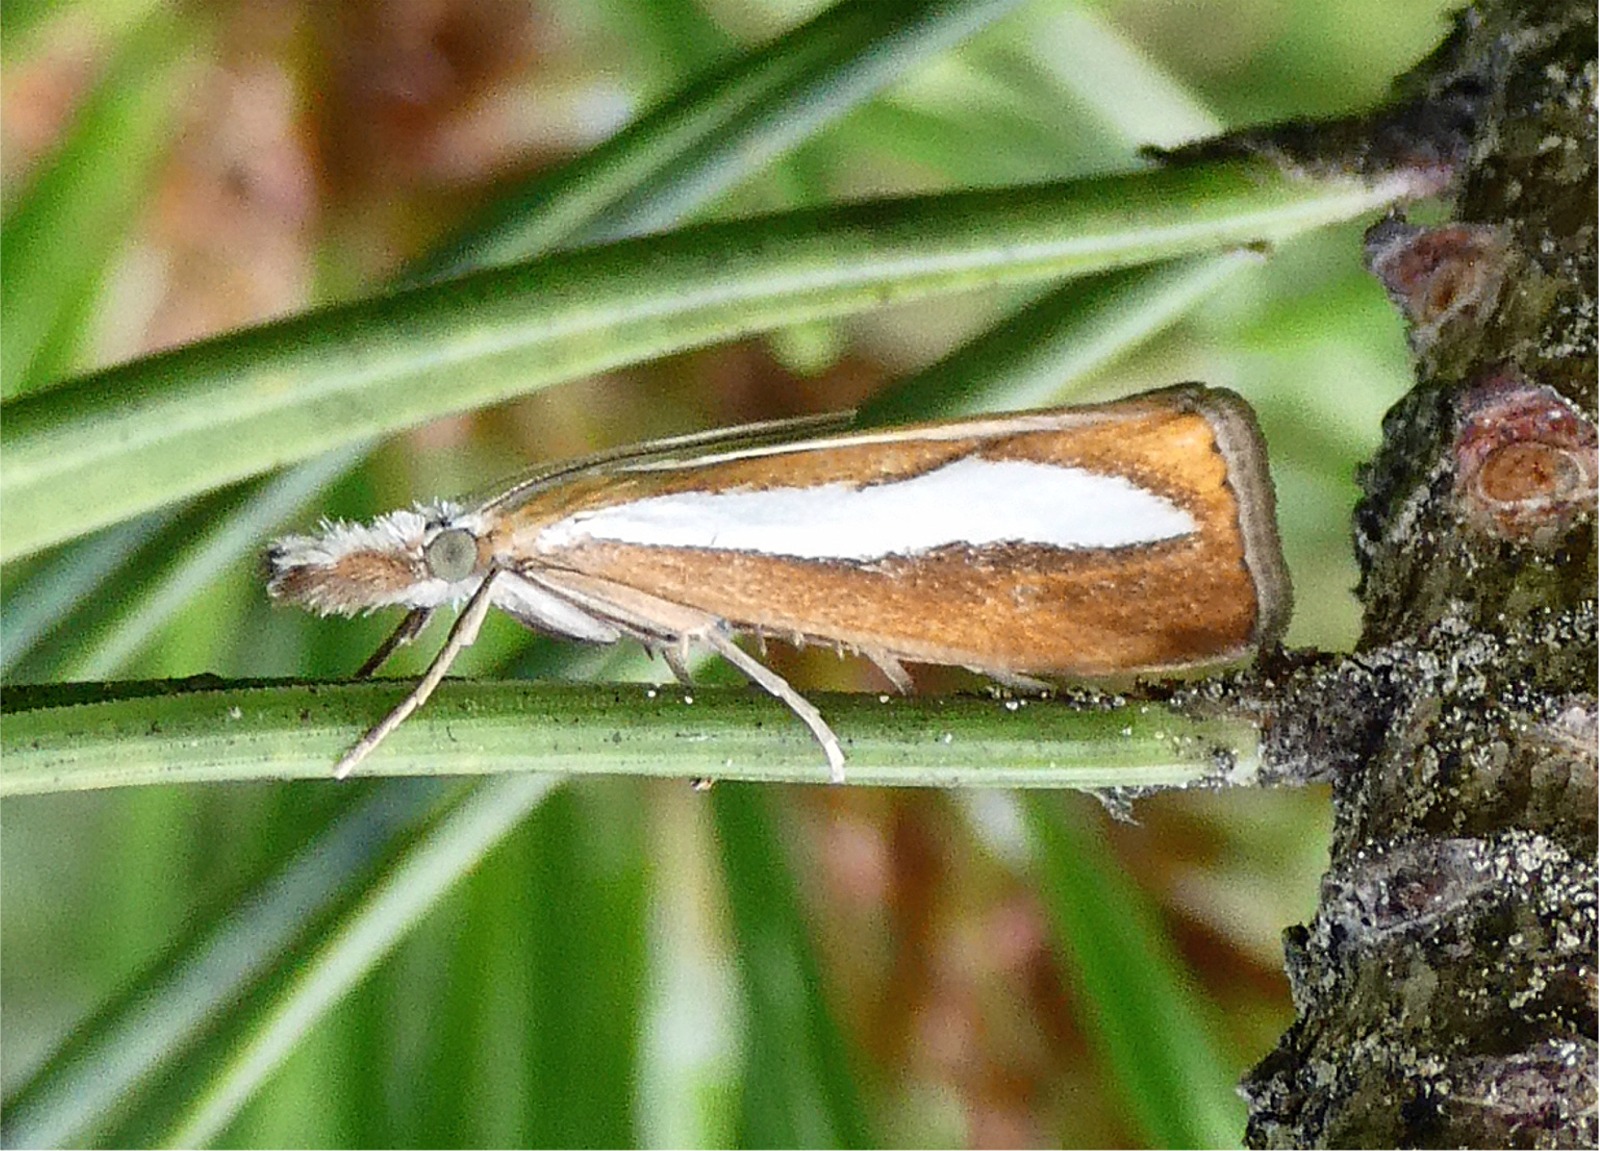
(452, 555)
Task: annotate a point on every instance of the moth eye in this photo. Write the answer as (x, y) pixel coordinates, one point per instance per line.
(452, 555)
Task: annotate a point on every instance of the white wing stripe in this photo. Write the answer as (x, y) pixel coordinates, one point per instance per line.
(972, 502)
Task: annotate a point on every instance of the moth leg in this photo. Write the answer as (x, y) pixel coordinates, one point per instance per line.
(892, 669)
(410, 627)
(652, 619)
(462, 634)
(1015, 681)
(675, 654)
(676, 658)
(718, 641)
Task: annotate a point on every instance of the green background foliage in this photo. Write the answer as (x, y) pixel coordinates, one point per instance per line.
(623, 961)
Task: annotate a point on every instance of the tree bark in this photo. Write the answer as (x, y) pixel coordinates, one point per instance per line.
(1445, 991)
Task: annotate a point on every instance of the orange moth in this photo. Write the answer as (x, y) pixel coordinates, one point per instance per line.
(1131, 536)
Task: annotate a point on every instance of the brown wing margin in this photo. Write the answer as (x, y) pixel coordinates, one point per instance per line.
(1245, 451)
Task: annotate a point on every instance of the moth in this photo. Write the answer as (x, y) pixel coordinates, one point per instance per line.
(1132, 536)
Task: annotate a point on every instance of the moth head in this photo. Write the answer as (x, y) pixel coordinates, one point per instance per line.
(419, 557)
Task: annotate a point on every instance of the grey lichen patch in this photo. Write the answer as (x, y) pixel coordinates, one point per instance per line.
(1537, 1097)
(1445, 992)
(1560, 760)
(1319, 714)
(1424, 939)
(1462, 734)
(1410, 888)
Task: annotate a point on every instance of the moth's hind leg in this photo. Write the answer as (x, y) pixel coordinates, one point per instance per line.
(719, 641)
(671, 628)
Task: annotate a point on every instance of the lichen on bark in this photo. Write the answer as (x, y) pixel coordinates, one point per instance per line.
(1445, 991)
